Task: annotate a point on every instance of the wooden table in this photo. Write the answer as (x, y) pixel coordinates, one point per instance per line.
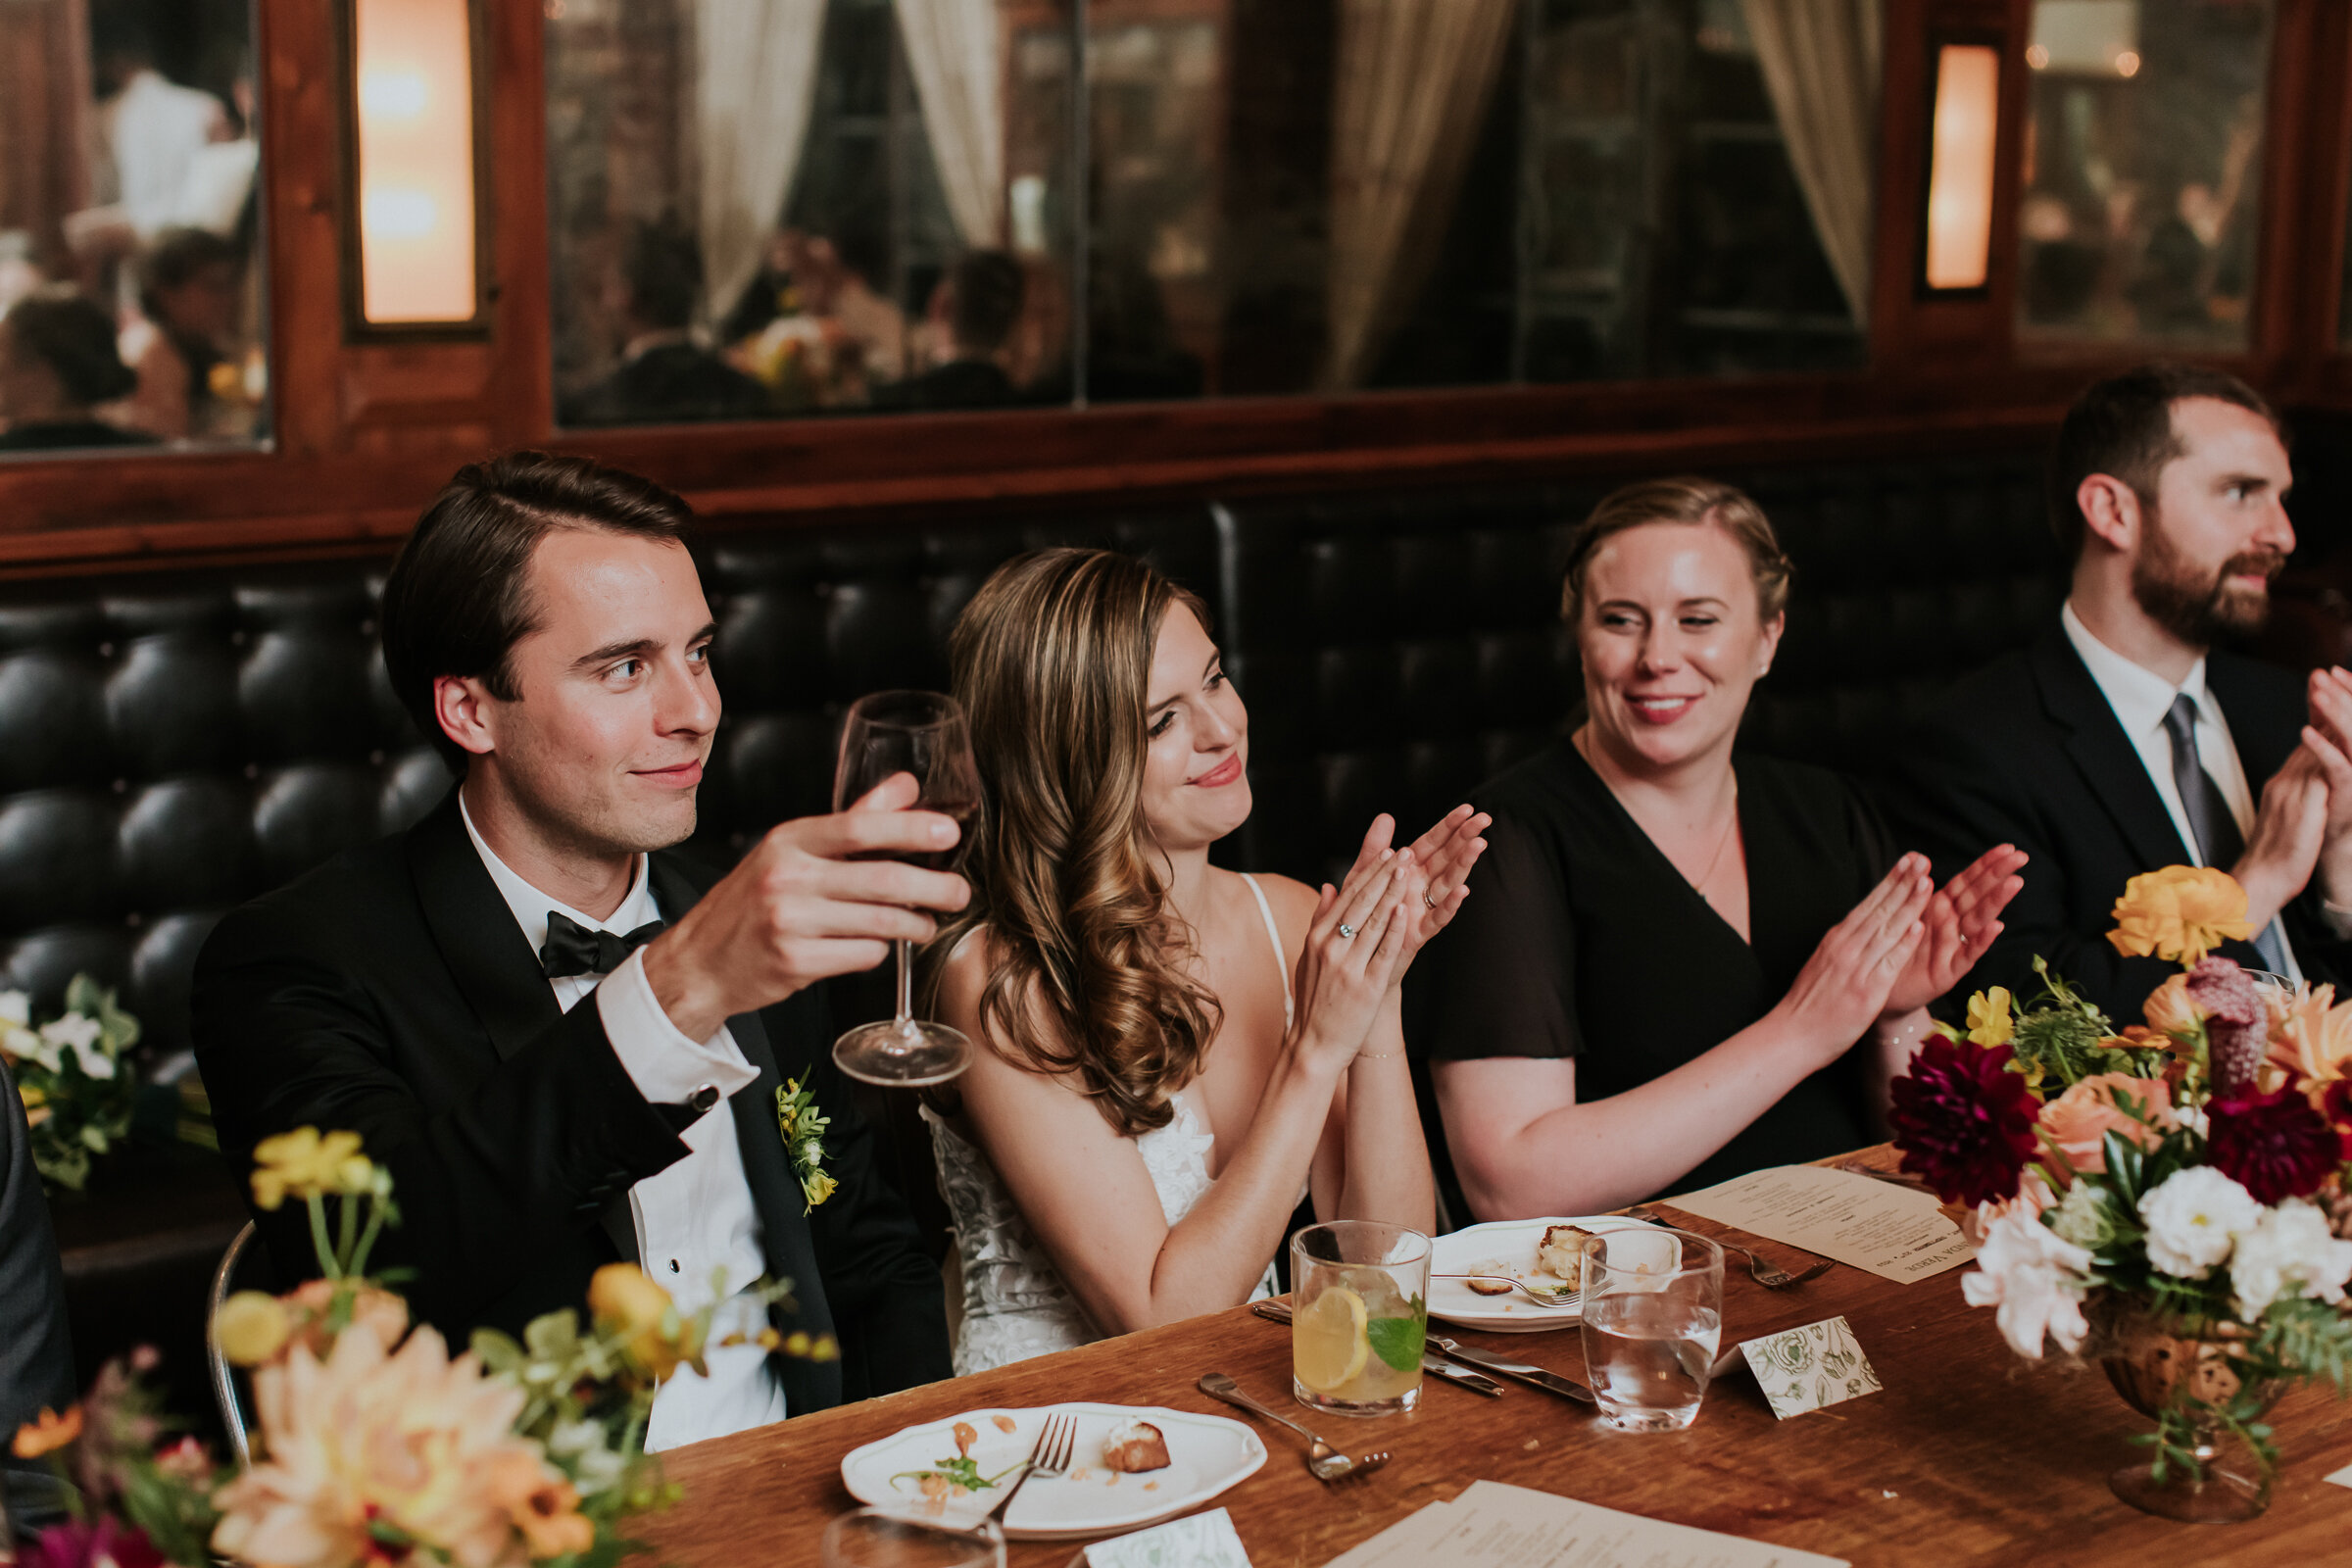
(1968, 1456)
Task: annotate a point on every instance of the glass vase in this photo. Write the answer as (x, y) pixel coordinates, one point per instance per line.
(2156, 1368)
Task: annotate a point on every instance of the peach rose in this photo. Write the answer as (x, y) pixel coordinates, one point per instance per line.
(2311, 1033)
(2077, 1122)
(2171, 1010)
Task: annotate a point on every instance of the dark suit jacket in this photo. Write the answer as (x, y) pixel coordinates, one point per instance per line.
(36, 1357)
(391, 992)
(2026, 752)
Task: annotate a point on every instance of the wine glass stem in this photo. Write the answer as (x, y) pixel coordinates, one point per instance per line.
(906, 984)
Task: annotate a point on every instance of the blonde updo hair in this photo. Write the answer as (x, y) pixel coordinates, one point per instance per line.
(1687, 500)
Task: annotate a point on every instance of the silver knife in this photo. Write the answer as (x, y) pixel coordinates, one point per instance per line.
(1431, 1362)
(1462, 1377)
(1550, 1382)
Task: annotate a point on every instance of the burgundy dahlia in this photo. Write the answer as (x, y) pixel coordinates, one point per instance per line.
(105, 1543)
(2335, 1104)
(2275, 1146)
(1964, 1121)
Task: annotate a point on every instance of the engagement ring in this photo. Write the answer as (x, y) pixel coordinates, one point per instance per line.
(1346, 930)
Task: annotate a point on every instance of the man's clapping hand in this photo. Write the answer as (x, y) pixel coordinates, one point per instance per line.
(800, 909)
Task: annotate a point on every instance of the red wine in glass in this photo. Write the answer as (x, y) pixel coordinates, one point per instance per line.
(923, 734)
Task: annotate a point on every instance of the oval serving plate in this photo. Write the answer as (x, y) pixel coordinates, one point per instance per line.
(1207, 1454)
(1511, 1241)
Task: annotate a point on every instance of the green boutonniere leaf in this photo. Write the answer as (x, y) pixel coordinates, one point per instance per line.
(803, 1126)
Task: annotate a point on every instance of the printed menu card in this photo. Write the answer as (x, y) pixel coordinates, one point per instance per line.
(1897, 1233)
(1498, 1526)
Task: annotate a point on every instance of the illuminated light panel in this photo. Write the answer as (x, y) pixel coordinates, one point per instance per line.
(412, 63)
(1960, 166)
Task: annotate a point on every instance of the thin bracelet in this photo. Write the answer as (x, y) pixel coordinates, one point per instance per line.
(1378, 1055)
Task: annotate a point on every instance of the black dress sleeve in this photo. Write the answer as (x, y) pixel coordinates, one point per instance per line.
(1501, 981)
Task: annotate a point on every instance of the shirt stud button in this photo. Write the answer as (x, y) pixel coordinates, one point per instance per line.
(673, 1265)
(702, 1098)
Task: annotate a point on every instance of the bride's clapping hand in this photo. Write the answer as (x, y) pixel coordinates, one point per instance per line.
(1354, 949)
(1441, 859)
(1842, 989)
(1962, 919)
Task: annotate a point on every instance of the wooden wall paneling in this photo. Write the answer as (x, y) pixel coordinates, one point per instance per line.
(522, 396)
(2306, 141)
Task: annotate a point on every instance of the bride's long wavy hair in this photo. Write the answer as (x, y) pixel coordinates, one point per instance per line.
(1086, 973)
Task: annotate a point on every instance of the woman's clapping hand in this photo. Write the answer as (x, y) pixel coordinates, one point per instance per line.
(1844, 987)
(1443, 857)
(1962, 919)
(1343, 975)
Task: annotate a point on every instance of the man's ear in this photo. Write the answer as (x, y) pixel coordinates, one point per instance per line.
(466, 709)
(2111, 512)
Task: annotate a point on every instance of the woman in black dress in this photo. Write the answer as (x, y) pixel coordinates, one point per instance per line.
(1679, 964)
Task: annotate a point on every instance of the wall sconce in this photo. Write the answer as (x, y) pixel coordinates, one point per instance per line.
(1963, 120)
(412, 225)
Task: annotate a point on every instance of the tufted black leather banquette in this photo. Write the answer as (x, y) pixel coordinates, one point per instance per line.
(168, 749)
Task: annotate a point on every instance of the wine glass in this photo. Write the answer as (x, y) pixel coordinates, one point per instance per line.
(922, 733)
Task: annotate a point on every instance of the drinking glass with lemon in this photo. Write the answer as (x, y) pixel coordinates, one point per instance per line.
(1359, 1315)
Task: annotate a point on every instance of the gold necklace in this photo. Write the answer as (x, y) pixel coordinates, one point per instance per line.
(1699, 884)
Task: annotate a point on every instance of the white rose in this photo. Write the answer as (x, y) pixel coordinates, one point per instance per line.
(85, 1037)
(2289, 1251)
(2036, 1279)
(2192, 1217)
(16, 1007)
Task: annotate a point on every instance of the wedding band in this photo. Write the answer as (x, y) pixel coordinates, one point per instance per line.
(1428, 901)
(1346, 930)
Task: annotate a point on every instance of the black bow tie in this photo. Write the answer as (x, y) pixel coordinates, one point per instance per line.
(572, 948)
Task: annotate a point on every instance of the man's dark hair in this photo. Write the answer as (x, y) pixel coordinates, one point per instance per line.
(985, 289)
(2122, 427)
(663, 269)
(179, 256)
(455, 602)
(75, 337)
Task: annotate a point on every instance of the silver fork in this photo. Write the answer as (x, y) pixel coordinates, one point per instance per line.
(1565, 1295)
(1323, 1461)
(1769, 1275)
(1050, 1457)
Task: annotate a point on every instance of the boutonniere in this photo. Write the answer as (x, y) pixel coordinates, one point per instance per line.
(803, 1127)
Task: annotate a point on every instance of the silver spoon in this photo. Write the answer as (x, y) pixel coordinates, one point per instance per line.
(1325, 1462)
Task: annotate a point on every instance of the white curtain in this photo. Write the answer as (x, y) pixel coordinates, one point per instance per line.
(1821, 60)
(757, 77)
(953, 52)
(1412, 83)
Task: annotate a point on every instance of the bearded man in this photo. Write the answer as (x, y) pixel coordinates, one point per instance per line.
(2123, 740)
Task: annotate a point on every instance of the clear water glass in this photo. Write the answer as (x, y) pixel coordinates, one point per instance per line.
(1359, 1317)
(1652, 1322)
(887, 1538)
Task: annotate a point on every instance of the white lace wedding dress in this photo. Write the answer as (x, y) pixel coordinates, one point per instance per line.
(1014, 1304)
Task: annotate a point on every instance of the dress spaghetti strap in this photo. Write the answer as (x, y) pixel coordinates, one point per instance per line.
(1282, 964)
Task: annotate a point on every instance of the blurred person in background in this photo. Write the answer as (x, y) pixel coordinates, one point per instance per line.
(972, 315)
(183, 348)
(36, 1354)
(665, 375)
(58, 362)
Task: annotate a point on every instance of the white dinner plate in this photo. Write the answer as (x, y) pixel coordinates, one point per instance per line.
(1511, 1241)
(1206, 1454)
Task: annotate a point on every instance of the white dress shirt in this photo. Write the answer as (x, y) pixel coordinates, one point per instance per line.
(2140, 698)
(697, 1217)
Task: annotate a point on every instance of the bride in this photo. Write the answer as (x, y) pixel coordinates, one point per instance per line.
(1170, 1055)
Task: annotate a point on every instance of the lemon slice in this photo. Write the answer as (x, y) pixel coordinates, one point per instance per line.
(1328, 1341)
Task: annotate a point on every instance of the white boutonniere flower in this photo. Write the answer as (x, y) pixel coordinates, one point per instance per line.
(803, 1127)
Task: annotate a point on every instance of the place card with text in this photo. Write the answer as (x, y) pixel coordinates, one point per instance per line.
(1808, 1368)
(1496, 1526)
(1198, 1540)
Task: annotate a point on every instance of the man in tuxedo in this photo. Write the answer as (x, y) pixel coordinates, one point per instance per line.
(555, 1079)
(2123, 740)
(37, 1354)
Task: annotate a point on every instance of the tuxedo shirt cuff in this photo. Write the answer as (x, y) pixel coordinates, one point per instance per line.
(666, 1066)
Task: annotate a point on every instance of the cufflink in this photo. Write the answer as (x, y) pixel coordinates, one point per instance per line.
(702, 1098)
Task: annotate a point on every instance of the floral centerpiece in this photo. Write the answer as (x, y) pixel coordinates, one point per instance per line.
(2168, 1197)
(78, 1090)
(373, 1444)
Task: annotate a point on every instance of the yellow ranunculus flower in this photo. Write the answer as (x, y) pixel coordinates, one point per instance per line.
(818, 1186)
(2179, 913)
(251, 1327)
(623, 1296)
(1988, 1020)
(304, 1164)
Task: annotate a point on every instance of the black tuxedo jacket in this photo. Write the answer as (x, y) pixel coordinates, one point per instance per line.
(391, 992)
(2026, 752)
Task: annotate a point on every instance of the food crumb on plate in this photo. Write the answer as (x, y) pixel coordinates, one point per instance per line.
(1153, 1486)
(1081, 1474)
(1004, 1423)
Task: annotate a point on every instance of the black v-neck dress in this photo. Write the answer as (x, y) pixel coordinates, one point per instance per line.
(1580, 939)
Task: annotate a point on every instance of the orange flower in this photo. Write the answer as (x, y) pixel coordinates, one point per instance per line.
(624, 1297)
(2179, 913)
(2311, 1033)
(543, 1506)
(2171, 1010)
(48, 1434)
(2077, 1121)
